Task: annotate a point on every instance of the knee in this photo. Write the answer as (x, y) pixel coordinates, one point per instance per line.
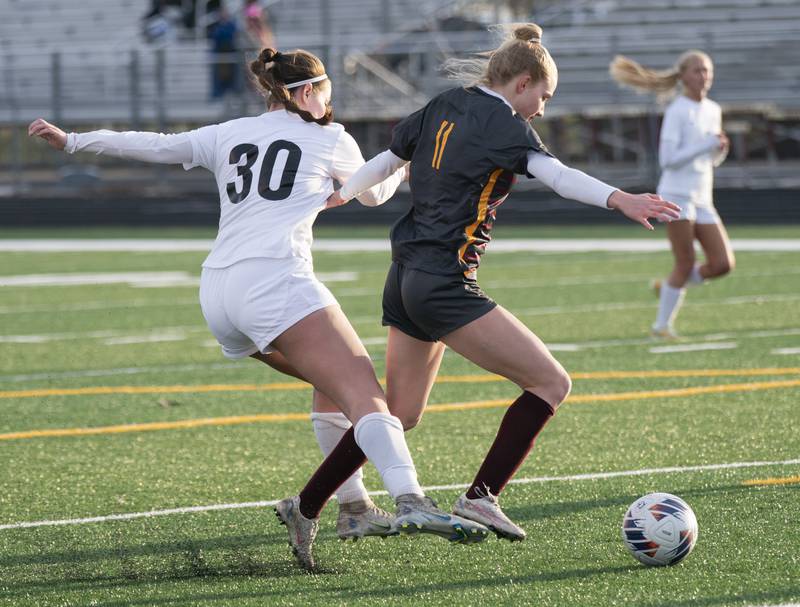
(556, 390)
(563, 386)
(409, 420)
(722, 267)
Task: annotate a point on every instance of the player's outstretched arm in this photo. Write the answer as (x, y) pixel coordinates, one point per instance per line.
(49, 132)
(577, 185)
(133, 145)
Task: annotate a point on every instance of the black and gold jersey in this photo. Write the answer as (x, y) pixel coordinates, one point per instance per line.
(465, 148)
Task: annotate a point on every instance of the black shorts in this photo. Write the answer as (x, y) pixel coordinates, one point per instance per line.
(429, 306)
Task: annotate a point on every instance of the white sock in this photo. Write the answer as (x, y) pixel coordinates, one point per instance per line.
(695, 278)
(381, 438)
(668, 306)
(329, 429)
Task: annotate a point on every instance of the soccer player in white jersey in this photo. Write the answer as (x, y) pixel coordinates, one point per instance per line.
(691, 144)
(258, 291)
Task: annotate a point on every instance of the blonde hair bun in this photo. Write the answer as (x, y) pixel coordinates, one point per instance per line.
(529, 32)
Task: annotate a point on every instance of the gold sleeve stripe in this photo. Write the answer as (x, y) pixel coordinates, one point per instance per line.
(444, 143)
(438, 136)
(483, 205)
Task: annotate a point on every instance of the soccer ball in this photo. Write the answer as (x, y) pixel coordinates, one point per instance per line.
(659, 529)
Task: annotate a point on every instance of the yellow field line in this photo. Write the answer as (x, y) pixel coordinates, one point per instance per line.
(789, 480)
(483, 404)
(443, 379)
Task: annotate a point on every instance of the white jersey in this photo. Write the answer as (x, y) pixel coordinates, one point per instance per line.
(689, 150)
(274, 173)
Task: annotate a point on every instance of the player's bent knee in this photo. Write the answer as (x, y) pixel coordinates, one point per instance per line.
(721, 268)
(562, 388)
(555, 390)
(409, 421)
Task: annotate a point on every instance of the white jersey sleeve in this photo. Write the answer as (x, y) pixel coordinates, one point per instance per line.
(204, 147)
(371, 187)
(568, 182)
(193, 148)
(134, 145)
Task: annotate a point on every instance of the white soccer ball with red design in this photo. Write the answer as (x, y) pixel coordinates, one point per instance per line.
(659, 529)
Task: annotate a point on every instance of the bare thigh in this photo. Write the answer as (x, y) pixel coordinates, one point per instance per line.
(411, 368)
(681, 239)
(501, 344)
(325, 350)
(717, 248)
(276, 360)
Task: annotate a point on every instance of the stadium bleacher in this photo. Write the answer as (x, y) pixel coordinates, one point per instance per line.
(755, 45)
(89, 64)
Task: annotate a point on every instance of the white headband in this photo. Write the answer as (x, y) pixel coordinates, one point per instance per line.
(294, 85)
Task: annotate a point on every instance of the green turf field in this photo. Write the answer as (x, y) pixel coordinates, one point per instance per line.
(67, 354)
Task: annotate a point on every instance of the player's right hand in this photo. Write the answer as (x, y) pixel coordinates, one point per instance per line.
(641, 207)
(49, 132)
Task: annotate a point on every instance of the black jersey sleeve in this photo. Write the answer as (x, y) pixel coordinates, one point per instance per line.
(406, 134)
(509, 139)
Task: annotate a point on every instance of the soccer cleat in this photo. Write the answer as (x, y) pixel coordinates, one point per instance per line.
(362, 519)
(665, 333)
(486, 510)
(302, 530)
(419, 514)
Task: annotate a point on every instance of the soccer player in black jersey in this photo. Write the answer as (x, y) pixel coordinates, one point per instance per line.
(465, 148)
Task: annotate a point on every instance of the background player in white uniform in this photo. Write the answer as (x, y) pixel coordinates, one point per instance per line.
(258, 291)
(691, 144)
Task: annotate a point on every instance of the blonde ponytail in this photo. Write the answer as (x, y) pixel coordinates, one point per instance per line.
(628, 72)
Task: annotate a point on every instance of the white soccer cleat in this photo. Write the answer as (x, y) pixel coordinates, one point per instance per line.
(418, 514)
(302, 530)
(486, 510)
(362, 519)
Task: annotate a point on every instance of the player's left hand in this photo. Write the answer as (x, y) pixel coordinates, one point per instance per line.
(49, 132)
(334, 200)
(641, 207)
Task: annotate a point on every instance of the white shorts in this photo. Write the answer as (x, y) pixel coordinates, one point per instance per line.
(702, 214)
(249, 304)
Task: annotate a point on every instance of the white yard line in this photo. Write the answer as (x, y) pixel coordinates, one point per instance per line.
(785, 351)
(548, 245)
(119, 371)
(100, 278)
(519, 481)
(90, 306)
(718, 345)
(104, 334)
(133, 279)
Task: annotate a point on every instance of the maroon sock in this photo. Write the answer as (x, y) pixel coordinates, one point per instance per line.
(521, 424)
(341, 463)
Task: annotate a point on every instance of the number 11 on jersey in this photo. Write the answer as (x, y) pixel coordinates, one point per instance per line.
(441, 141)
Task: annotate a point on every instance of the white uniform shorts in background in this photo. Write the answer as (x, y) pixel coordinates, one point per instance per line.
(250, 303)
(698, 213)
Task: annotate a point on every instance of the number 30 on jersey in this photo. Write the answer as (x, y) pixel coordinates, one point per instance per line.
(249, 152)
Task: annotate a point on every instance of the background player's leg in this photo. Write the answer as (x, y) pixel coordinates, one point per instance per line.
(411, 368)
(672, 292)
(717, 249)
